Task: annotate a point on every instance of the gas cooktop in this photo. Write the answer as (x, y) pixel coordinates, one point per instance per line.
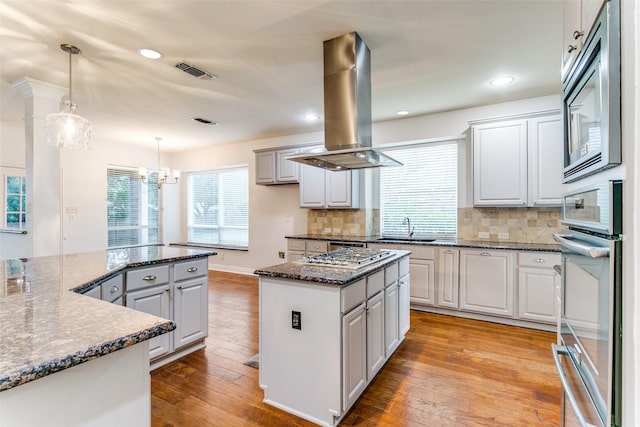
(352, 258)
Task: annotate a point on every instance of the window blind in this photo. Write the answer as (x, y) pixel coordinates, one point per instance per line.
(133, 214)
(218, 206)
(425, 189)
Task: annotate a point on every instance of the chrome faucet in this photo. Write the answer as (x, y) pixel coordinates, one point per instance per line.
(406, 221)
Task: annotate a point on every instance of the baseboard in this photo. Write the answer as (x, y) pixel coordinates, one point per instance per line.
(232, 269)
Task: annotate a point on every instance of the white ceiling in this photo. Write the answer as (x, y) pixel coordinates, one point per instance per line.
(426, 56)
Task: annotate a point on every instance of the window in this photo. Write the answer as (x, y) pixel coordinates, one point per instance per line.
(133, 214)
(425, 189)
(218, 207)
(14, 191)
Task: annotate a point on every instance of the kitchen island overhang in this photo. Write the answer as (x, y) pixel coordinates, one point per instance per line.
(325, 332)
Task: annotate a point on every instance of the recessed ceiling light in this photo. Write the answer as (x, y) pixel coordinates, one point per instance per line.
(311, 117)
(402, 113)
(150, 53)
(502, 81)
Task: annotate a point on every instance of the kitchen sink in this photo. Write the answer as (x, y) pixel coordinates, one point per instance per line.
(405, 239)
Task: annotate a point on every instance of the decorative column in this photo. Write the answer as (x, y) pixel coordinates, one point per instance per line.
(43, 197)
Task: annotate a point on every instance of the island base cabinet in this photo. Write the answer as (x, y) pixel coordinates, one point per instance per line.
(190, 311)
(116, 391)
(404, 308)
(354, 336)
(154, 301)
(375, 334)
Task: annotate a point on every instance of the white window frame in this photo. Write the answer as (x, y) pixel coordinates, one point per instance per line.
(5, 173)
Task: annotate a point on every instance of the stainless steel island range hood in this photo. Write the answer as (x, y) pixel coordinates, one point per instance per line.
(347, 109)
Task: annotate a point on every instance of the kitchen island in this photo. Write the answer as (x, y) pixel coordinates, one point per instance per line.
(326, 331)
(68, 359)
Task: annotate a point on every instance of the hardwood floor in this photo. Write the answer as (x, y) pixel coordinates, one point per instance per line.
(448, 372)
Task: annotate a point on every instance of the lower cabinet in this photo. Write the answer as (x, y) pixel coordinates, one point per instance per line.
(190, 311)
(154, 301)
(486, 281)
(391, 318)
(403, 305)
(448, 271)
(536, 286)
(354, 356)
(375, 334)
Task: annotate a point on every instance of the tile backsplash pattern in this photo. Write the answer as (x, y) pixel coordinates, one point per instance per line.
(522, 225)
(345, 222)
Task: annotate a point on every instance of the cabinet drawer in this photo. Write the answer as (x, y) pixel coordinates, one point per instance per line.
(538, 259)
(317, 246)
(145, 277)
(295, 245)
(353, 295)
(391, 274)
(190, 269)
(403, 266)
(375, 283)
(112, 288)
(420, 252)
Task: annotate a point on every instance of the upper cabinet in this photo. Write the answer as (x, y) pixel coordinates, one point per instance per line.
(578, 18)
(273, 168)
(518, 161)
(324, 189)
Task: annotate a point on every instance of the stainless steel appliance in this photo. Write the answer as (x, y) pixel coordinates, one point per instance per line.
(351, 258)
(591, 100)
(333, 245)
(589, 356)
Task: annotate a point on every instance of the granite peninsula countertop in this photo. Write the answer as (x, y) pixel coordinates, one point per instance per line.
(47, 326)
(539, 247)
(327, 275)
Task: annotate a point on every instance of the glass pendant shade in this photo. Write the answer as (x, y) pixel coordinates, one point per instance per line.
(67, 129)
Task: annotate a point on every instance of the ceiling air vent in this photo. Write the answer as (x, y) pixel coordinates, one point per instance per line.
(203, 121)
(195, 72)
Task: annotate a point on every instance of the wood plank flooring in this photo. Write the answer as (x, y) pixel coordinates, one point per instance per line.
(448, 372)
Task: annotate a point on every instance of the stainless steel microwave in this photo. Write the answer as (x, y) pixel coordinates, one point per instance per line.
(591, 101)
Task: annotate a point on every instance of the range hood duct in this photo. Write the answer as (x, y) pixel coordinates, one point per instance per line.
(347, 109)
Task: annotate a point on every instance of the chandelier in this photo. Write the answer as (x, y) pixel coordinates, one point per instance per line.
(67, 129)
(163, 174)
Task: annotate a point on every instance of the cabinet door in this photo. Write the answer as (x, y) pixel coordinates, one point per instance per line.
(448, 268)
(293, 256)
(265, 167)
(312, 184)
(153, 301)
(500, 163)
(422, 281)
(546, 163)
(354, 363)
(571, 28)
(286, 170)
(486, 281)
(404, 314)
(536, 294)
(339, 189)
(190, 311)
(375, 334)
(391, 319)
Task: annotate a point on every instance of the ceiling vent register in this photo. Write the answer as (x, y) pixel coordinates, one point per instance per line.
(195, 72)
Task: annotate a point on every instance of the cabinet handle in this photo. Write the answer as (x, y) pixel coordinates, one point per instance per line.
(113, 290)
(448, 251)
(539, 260)
(166, 289)
(192, 269)
(571, 48)
(577, 34)
(485, 254)
(149, 278)
(180, 287)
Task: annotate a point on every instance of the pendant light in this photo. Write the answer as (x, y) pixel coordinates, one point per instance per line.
(163, 173)
(67, 129)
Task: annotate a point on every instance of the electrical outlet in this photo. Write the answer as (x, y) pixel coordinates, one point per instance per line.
(296, 320)
(503, 236)
(483, 234)
(281, 254)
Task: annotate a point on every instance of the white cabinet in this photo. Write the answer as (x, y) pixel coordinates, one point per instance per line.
(536, 287)
(404, 311)
(391, 318)
(486, 281)
(354, 356)
(190, 311)
(375, 334)
(577, 19)
(448, 271)
(299, 248)
(154, 300)
(324, 189)
(273, 168)
(518, 161)
(422, 281)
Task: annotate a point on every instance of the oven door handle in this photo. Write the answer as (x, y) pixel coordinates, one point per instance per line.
(557, 351)
(586, 250)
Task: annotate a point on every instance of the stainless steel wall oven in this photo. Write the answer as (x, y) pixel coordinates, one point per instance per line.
(591, 100)
(589, 356)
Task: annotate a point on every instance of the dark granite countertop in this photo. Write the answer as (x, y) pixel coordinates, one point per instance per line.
(333, 276)
(539, 247)
(46, 327)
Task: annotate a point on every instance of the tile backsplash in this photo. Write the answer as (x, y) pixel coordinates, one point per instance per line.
(522, 225)
(345, 222)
